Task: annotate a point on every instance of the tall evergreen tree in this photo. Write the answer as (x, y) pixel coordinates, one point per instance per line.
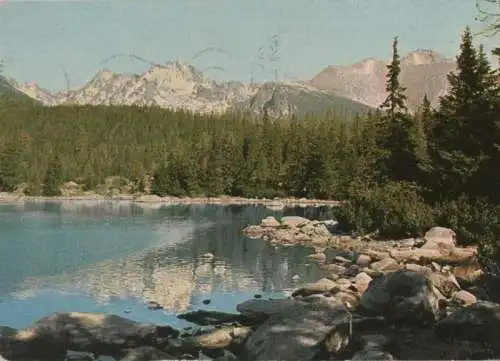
(53, 178)
(397, 126)
(461, 140)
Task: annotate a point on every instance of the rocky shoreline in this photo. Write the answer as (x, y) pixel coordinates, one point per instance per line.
(276, 204)
(413, 299)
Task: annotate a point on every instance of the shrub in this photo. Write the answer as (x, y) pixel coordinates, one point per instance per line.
(395, 210)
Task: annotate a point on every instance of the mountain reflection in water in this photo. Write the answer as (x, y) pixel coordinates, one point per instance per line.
(111, 251)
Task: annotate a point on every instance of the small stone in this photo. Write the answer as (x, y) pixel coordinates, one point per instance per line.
(435, 267)
(464, 298)
(363, 260)
(321, 286)
(269, 222)
(386, 265)
(152, 305)
(416, 267)
(341, 259)
(209, 256)
(294, 221)
(362, 281)
(320, 256)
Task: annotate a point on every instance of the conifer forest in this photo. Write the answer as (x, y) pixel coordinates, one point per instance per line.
(397, 172)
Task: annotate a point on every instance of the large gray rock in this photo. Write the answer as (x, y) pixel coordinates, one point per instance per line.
(403, 296)
(321, 286)
(298, 332)
(97, 333)
(221, 338)
(477, 322)
(261, 309)
(146, 353)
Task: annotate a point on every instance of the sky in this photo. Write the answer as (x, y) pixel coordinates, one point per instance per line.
(41, 40)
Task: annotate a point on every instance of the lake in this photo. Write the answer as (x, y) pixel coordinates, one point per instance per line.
(111, 256)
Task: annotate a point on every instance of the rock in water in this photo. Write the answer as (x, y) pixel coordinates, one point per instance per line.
(321, 286)
(403, 296)
(261, 309)
(294, 221)
(298, 332)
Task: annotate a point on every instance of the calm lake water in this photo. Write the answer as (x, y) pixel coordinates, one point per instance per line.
(115, 256)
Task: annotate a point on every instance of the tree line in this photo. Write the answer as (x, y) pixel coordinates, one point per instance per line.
(398, 172)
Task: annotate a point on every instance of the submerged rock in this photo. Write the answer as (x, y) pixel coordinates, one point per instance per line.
(209, 318)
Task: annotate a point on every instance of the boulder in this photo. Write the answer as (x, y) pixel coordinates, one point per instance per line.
(403, 296)
(416, 267)
(321, 286)
(321, 230)
(319, 256)
(294, 221)
(363, 260)
(477, 322)
(335, 268)
(269, 222)
(369, 354)
(210, 318)
(97, 333)
(261, 309)
(221, 338)
(385, 265)
(445, 282)
(362, 281)
(298, 333)
(146, 353)
(464, 298)
(440, 237)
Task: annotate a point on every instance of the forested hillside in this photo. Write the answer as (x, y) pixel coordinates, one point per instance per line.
(399, 173)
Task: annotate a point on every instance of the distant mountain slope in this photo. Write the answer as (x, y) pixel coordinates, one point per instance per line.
(177, 85)
(282, 100)
(9, 91)
(422, 72)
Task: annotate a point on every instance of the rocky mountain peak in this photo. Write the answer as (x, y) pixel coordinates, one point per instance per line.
(421, 57)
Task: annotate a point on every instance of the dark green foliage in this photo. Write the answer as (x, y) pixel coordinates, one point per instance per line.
(399, 173)
(474, 220)
(394, 210)
(53, 178)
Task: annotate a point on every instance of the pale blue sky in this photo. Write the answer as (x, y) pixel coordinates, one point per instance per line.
(36, 37)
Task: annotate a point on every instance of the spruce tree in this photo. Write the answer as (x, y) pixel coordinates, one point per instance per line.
(53, 178)
(397, 126)
(461, 140)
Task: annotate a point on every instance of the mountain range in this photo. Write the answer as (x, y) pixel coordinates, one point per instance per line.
(356, 88)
